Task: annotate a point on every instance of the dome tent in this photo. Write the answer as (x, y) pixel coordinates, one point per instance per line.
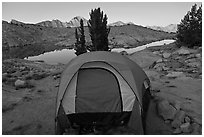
(99, 89)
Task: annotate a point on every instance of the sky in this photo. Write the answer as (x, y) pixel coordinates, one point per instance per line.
(140, 13)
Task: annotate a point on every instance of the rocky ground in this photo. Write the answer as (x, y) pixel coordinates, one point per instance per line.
(176, 80)
(28, 96)
(29, 91)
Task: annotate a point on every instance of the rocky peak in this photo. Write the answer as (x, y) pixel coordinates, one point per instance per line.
(56, 20)
(16, 22)
(3, 21)
(118, 23)
(75, 22)
(78, 18)
(57, 23)
(130, 23)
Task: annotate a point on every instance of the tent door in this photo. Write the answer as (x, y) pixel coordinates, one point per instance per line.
(97, 91)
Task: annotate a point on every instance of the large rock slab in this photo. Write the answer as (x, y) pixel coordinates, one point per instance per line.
(9, 102)
(185, 51)
(198, 55)
(159, 66)
(166, 55)
(20, 84)
(182, 51)
(194, 64)
(196, 129)
(177, 131)
(159, 60)
(144, 58)
(186, 128)
(36, 75)
(166, 110)
(39, 75)
(175, 74)
(4, 77)
(176, 104)
(23, 84)
(179, 119)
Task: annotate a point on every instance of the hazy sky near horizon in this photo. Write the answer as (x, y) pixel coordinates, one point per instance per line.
(140, 13)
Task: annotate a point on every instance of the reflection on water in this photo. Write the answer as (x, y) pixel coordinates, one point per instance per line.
(54, 57)
(42, 52)
(65, 55)
(28, 50)
(132, 50)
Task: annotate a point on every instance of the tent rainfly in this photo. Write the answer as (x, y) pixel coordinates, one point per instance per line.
(102, 89)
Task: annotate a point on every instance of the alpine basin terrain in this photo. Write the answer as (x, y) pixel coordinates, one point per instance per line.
(58, 33)
(29, 90)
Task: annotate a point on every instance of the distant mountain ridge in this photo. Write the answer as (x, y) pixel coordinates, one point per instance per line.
(16, 22)
(53, 23)
(118, 23)
(169, 28)
(74, 22)
(55, 32)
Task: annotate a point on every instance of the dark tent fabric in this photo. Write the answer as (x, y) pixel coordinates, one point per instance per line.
(90, 85)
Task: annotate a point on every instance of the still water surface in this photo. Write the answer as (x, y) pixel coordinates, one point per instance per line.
(65, 55)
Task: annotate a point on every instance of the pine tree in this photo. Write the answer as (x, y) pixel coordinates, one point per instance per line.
(199, 31)
(98, 30)
(80, 46)
(82, 36)
(76, 36)
(189, 31)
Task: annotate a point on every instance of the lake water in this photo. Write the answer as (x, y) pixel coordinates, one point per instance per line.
(65, 55)
(55, 57)
(132, 50)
